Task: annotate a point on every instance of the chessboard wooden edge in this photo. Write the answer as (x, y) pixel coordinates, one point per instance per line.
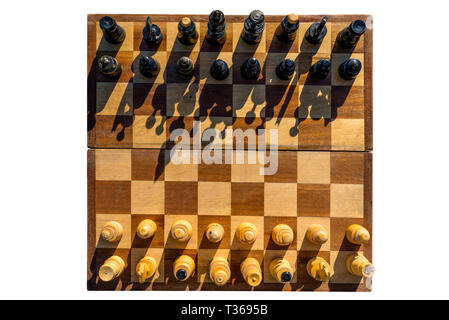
(368, 57)
(91, 243)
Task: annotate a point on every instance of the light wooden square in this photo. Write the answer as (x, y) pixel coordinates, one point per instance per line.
(246, 172)
(187, 170)
(147, 197)
(126, 45)
(284, 127)
(258, 221)
(214, 198)
(290, 255)
(314, 167)
(341, 274)
(174, 45)
(316, 100)
(124, 220)
(337, 60)
(303, 224)
(238, 45)
(144, 137)
(183, 99)
(205, 256)
(159, 56)
(248, 101)
(348, 134)
(112, 164)
(170, 243)
(347, 200)
(114, 99)
(306, 47)
(280, 199)
(206, 60)
(271, 63)
(157, 253)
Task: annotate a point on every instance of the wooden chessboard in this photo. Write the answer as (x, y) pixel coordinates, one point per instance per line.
(322, 176)
(137, 112)
(329, 188)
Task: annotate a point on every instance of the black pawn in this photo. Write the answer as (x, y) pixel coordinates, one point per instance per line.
(320, 70)
(286, 277)
(348, 37)
(285, 69)
(317, 31)
(109, 66)
(112, 32)
(152, 33)
(287, 29)
(250, 69)
(187, 33)
(148, 66)
(349, 69)
(185, 67)
(253, 27)
(219, 70)
(216, 28)
(181, 274)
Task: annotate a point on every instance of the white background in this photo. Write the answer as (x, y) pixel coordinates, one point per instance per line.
(43, 145)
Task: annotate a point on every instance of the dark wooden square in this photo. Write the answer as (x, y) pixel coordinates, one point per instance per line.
(347, 168)
(181, 198)
(287, 168)
(313, 200)
(247, 199)
(113, 197)
(147, 164)
(157, 241)
(203, 222)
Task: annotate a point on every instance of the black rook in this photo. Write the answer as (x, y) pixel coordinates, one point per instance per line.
(349, 69)
(288, 28)
(253, 27)
(348, 37)
(187, 33)
(112, 32)
(216, 28)
(152, 33)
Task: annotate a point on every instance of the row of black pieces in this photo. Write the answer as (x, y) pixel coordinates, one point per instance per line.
(254, 26)
(219, 69)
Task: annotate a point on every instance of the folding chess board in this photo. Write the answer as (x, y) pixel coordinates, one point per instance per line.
(325, 138)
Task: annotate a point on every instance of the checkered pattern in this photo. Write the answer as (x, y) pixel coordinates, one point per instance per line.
(310, 187)
(138, 112)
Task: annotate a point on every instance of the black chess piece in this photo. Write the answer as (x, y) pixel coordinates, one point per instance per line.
(109, 66)
(287, 29)
(219, 70)
(181, 274)
(286, 277)
(185, 67)
(152, 33)
(317, 31)
(187, 33)
(349, 69)
(285, 69)
(250, 69)
(349, 36)
(112, 32)
(216, 28)
(320, 70)
(148, 66)
(253, 27)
